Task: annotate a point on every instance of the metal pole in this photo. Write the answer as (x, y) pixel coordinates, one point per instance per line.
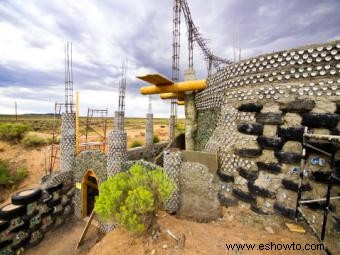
(77, 123)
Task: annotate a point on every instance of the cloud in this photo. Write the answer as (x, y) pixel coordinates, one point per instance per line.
(105, 32)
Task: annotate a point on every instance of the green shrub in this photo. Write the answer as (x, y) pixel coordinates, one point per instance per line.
(34, 141)
(135, 144)
(180, 127)
(156, 139)
(13, 132)
(4, 176)
(131, 198)
(55, 141)
(7, 179)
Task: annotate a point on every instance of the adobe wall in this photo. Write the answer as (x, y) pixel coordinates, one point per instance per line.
(253, 114)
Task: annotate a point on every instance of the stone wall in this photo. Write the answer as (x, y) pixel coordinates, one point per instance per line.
(34, 212)
(262, 106)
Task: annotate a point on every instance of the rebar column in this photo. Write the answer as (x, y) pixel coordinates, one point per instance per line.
(67, 142)
(172, 166)
(119, 120)
(149, 130)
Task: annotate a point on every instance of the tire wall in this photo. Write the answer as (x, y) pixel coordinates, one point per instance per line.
(27, 224)
(262, 106)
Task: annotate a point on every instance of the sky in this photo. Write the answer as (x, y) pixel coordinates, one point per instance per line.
(105, 32)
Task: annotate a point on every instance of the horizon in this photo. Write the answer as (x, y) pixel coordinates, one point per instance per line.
(104, 33)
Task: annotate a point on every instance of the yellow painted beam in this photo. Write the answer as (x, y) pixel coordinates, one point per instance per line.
(171, 95)
(174, 88)
(180, 102)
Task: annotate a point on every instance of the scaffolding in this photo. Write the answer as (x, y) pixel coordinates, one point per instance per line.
(96, 121)
(333, 177)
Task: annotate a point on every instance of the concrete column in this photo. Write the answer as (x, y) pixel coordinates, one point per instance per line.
(149, 130)
(190, 113)
(172, 128)
(117, 153)
(67, 142)
(172, 166)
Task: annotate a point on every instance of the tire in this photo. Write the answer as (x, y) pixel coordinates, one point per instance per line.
(37, 241)
(35, 227)
(45, 228)
(46, 197)
(7, 251)
(10, 211)
(53, 203)
(47, 213)
(21, 198)
(22, 227)
(70, 193)
(22, 243)
(54, 188)
(57, 213)
(3, 225)
(4, 243)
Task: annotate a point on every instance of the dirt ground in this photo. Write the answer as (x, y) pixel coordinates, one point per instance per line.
(33, 159)
(200, 238)
(236, 226)
(63, 240)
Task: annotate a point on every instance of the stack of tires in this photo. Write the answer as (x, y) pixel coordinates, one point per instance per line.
(32, 213)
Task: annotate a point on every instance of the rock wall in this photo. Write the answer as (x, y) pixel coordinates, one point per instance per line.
(262, 106)
(34, 212)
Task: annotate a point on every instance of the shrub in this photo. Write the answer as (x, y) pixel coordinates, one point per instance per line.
(34, 141)
(156, 139)
(13, 131)
(55, 141)
(135, 144)
(7, 179)
(180, 127)
(131, 198)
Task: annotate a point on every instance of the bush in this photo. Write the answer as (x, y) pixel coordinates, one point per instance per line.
(34, 141)
(55, 141)
(135, 144)
(156, 139)
(7, 179)
(131, 198)
(13, 132)
(180, 127)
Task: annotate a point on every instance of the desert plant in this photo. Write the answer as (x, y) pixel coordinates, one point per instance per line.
(10, 179)
(156, 139)
(131, 198)
(135, 144)
(180, 127)
(34, 141)
(13, 132)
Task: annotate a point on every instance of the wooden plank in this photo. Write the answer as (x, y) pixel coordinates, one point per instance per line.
(295, 228)
(156, 79)
(85, 230)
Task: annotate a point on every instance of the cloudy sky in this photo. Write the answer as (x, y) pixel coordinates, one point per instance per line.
(104, 32)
